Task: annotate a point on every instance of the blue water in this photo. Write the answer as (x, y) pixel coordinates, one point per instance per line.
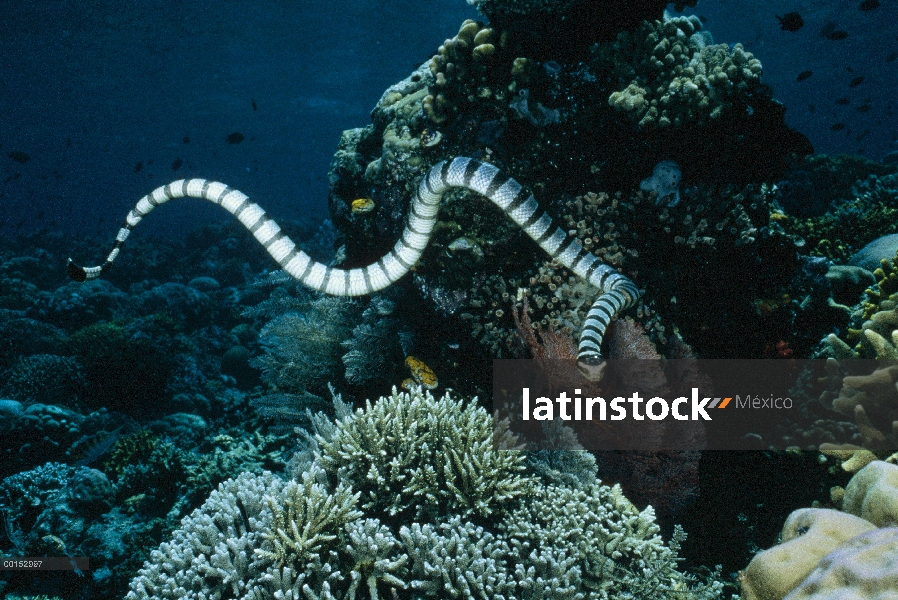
(92, 89)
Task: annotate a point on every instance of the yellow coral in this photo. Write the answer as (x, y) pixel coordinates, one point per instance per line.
(872, 494)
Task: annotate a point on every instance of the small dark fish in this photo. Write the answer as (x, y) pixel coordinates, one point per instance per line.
(856, 81)
(863, 108)
(791, 21)
(99, 447)
(812, 107)
(843, 101)
(804, 75)
(19, 157)
(12, 177)
(234, 138)
(68, 142)
(253, 101)
(177, 164)
(703, 18)
(186, 140)
(138, 167)
(892, 56)
(836, 35)
(40, 215)
(869, 5)
(837, 127)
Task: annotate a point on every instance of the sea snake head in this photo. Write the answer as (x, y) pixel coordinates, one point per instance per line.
(592, 367)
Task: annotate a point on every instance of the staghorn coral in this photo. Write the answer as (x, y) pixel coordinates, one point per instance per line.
(211, 556)
(668, 75)
(313, 518)
(457, 559)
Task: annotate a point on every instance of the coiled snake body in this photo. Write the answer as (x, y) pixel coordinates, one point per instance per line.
(617, 293)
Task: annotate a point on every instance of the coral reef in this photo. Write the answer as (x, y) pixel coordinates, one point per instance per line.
(460, 70)
(544, 118)
(862, 209)
(45, 378)
(358, 522)
(553, 28)
(413, 454)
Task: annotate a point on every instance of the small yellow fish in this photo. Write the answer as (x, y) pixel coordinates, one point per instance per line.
(421, 373)
(362, 205)
(56, 542)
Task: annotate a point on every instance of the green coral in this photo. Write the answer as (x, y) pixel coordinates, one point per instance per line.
(131, 449)
(667, 73)
(411, 454)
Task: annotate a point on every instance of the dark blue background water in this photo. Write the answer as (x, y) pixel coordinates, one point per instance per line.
(89, 89)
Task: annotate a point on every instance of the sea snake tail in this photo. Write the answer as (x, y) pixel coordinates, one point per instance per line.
(617, 292)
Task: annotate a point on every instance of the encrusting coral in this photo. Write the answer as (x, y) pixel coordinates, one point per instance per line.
(826, 554)
(409, 499)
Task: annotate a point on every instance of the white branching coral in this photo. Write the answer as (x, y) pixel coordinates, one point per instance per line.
(211, 555)
(413, 454)
(457, 560)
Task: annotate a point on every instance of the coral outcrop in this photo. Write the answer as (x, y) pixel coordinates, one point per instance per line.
(359, 521)
(668, 74)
